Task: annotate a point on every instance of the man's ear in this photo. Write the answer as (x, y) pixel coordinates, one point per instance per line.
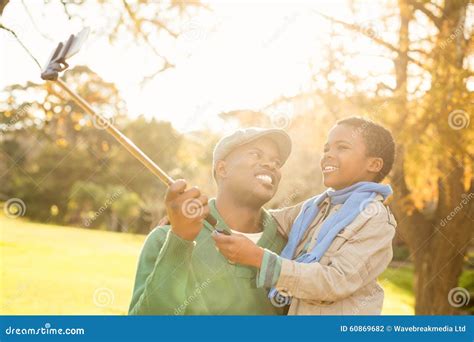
(220, 169)
(375, 165)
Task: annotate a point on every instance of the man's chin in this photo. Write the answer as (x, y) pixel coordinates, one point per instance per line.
(260, 197)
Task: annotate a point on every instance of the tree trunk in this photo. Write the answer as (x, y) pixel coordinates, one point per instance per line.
(437, 241)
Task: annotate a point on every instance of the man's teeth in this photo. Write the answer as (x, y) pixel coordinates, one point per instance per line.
(330, 168)
(265, 178)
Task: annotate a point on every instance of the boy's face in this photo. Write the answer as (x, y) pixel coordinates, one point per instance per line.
(252, 171)
(345, 161)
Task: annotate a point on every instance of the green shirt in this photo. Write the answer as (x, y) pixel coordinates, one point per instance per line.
(180, 277)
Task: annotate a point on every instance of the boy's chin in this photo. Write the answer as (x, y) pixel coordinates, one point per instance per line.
(332, 183)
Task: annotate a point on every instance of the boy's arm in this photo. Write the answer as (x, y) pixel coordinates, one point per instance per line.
(361, 259)
(162, 274)
(285, 218)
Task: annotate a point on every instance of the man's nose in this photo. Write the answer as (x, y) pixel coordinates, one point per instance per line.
(270, 164)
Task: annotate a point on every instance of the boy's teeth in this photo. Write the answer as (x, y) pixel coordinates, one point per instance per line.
(330, 168)
(265, 178)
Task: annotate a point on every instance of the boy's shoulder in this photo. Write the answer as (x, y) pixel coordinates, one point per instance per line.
(376, 215)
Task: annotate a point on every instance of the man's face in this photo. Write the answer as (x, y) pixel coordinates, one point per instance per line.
(252, 171)
(344, 161)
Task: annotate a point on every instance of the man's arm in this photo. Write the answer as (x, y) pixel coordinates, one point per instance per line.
(162, 274)
(164, 264)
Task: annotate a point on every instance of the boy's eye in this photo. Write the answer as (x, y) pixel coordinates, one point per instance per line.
(343, 147)
(255, 154)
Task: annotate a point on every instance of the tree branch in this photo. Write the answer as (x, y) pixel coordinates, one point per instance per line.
(3, 3)
(357, 28)
(421, 7)
(2, 27)
(136, 23)
(27, 10)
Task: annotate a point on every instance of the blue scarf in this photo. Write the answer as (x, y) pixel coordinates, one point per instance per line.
(354, 200)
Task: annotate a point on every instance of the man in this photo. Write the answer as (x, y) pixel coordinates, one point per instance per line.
(180, 271)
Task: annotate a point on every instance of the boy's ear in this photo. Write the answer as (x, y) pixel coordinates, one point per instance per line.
(375, 165)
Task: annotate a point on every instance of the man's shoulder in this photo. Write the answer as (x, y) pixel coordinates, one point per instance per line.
(157, 234)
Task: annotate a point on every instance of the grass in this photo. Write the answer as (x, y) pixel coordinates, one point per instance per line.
(54, 270)
(49, 269)
(398, 286)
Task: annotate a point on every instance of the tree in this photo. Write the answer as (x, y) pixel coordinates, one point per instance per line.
(433, 174)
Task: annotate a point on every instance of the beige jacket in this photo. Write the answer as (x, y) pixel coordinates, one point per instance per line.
(344, 282)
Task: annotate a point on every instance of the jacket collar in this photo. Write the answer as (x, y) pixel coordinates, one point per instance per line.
(268, 224)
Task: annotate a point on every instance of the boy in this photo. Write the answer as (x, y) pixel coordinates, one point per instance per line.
(339, 242)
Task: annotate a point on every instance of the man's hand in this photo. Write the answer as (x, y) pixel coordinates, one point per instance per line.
(186, 209)
(239, 249)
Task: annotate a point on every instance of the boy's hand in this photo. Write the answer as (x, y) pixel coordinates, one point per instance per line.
(186, 209)
(239, 249)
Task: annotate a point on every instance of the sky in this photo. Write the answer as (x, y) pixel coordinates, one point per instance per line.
(239, 55)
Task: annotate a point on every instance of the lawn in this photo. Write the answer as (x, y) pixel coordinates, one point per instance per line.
(47, 269)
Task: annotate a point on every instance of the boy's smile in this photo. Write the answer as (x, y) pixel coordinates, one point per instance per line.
(345, 161)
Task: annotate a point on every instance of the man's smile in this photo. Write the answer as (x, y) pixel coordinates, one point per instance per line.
(266, 178)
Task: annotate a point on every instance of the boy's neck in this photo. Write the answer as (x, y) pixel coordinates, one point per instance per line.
(239, 217)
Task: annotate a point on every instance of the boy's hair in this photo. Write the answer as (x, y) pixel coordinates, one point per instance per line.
(378, 141)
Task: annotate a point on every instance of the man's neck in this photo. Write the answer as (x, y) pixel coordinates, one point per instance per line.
(237, 216)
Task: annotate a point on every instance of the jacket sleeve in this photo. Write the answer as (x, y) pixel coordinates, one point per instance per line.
(361, 259)
(285, 218)
(162, 274)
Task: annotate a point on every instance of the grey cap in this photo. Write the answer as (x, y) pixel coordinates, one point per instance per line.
(243, 136)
